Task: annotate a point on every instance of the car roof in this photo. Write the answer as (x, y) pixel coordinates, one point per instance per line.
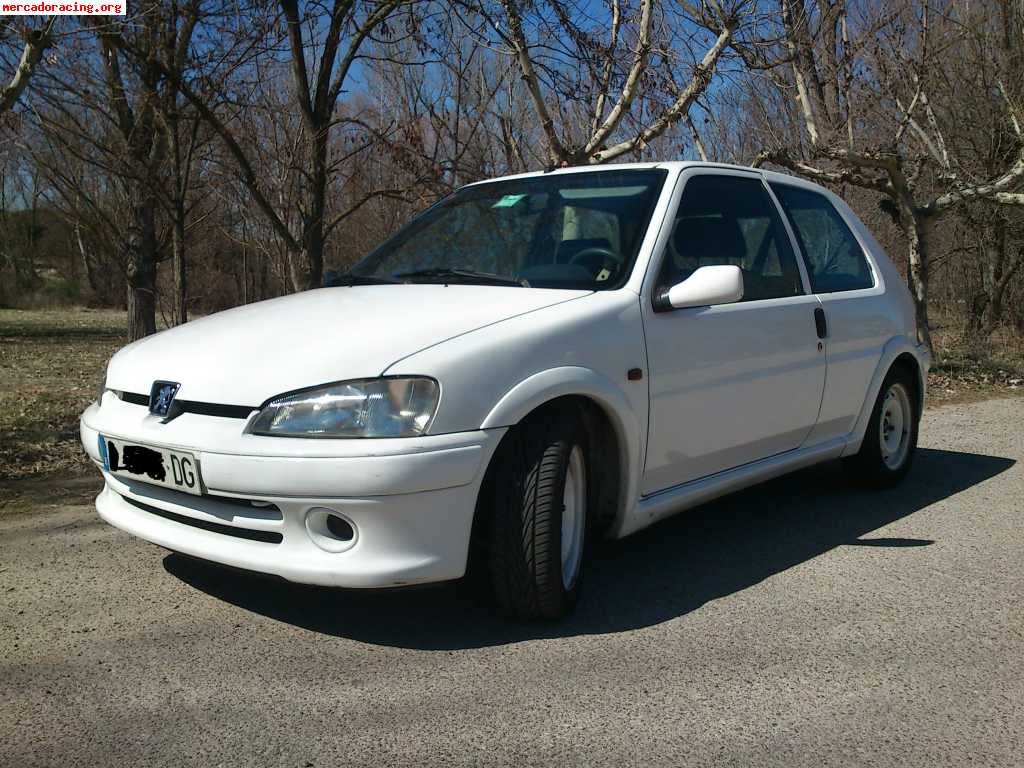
(672, 165)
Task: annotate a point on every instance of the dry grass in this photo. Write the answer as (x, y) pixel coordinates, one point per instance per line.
(51, 363)
(967, 368)
(50, 368)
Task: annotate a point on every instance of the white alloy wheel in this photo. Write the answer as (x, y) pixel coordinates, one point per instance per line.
(574, 516)
(895, 425)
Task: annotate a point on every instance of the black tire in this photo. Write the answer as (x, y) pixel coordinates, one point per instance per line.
(870, 467)
(524, 506)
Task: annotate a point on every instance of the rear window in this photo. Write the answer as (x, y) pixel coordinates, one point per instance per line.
(833, 256)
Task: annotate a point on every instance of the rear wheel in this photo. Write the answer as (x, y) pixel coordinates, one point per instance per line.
(889, 444)
(538, 502)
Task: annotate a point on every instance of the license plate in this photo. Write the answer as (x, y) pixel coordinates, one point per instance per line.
(160, 466)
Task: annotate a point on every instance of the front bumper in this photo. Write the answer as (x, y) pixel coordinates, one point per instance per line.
(410, 503)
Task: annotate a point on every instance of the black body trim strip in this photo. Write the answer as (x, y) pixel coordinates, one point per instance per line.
(134, 398)
(179, 407)
(269, 537)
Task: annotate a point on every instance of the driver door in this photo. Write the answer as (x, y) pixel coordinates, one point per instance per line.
(733, 383)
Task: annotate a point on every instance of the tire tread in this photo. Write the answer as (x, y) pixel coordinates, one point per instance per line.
(525, 500)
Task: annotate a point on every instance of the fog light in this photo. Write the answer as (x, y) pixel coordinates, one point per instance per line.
(330, 530)
(340, 528)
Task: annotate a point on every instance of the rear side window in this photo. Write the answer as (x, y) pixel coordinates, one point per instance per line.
(834, 258)
(732, 220)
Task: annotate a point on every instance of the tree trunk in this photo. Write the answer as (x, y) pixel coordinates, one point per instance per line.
(142, 270)
(87, 263)
(262, 289)
(976, 311)
(180, 314)
(307, 265)
(918, 230)
(178, 261)
(1000, 272)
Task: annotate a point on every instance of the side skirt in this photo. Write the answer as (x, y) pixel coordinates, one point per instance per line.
(657, 506)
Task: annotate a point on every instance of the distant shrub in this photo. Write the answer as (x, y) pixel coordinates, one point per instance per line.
(52, 294)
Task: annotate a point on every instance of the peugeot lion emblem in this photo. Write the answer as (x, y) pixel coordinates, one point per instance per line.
(161, 396)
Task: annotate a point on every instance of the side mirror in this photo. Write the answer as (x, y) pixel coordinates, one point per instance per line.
(718, 284)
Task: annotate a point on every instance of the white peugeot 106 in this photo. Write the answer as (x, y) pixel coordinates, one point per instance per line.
(532, 362)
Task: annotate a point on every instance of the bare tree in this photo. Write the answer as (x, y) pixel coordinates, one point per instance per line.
(176, 39)
(598, 99)
(448, 119)
(323, 44)
(865, 79)
(104, 110)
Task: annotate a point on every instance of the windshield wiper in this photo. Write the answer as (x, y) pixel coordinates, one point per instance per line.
(454, 275)
(349, 279)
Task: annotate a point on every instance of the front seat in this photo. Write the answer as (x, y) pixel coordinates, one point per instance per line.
(701, 241)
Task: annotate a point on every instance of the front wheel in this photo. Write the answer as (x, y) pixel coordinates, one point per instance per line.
(538, 517)
(891, 438)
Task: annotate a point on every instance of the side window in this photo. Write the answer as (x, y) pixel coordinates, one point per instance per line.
(835, 259)
(732, 220)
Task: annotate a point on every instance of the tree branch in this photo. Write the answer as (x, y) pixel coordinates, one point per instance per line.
(625, 100)
(698, 84)
(847, 175)
(557, 151)
(606, 77)
(298, 58)
(803, 96)
(372, 22)
(248, 174)
(998, 190)
(696, 138)
(36, 41)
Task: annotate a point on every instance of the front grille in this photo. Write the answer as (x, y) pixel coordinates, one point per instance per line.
(134, 398)
(194, 406)
(269, 537)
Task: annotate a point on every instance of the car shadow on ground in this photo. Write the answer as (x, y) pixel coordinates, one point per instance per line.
(659, 574)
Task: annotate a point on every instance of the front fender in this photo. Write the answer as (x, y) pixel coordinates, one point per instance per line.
(540, 388)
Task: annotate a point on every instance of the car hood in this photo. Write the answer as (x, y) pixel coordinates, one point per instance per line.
(246, 355)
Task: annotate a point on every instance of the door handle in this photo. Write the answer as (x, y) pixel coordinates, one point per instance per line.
(820, 324)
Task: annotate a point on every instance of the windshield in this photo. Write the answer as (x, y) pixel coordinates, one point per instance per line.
(577, 230)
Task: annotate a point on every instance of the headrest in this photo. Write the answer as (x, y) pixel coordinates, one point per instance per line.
(709, 240)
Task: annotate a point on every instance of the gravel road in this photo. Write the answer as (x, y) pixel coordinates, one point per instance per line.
(801, 622)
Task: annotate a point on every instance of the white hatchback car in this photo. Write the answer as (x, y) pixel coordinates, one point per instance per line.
(531, 362)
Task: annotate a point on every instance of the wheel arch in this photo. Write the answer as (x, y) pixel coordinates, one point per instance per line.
(612, 427)
(910, 363)
(899, 351)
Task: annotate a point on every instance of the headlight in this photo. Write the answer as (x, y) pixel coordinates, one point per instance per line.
(385, 407)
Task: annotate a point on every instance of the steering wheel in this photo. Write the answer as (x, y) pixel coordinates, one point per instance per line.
(597, 260)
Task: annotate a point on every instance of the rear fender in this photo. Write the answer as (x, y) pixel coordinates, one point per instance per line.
(892, 350)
